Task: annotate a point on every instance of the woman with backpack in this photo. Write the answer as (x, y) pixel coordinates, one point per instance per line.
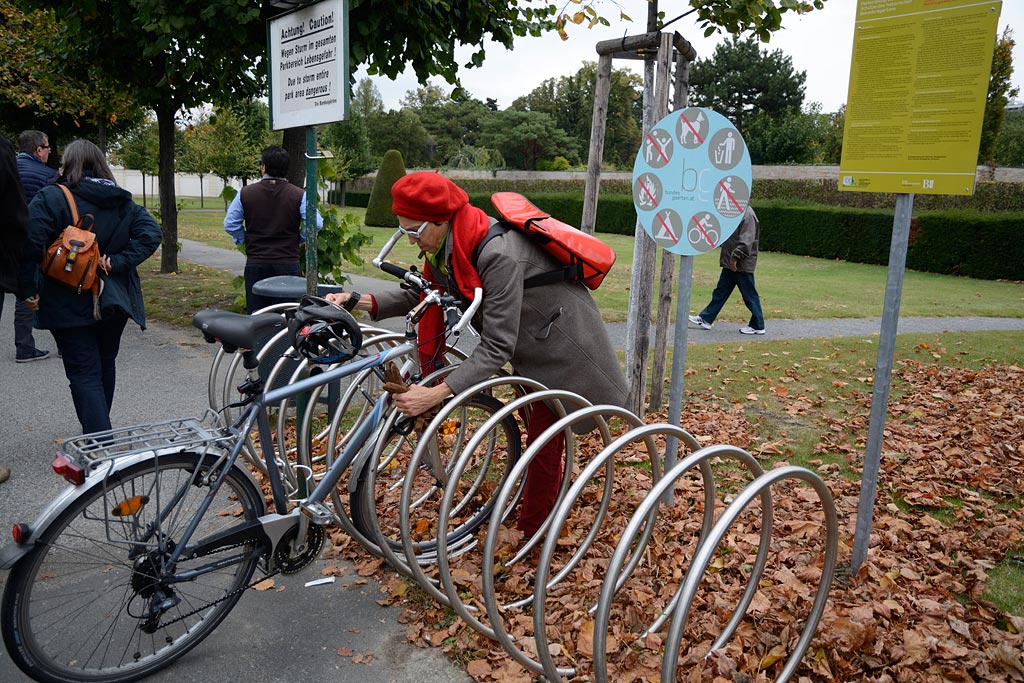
(552, 333)
(87, 331)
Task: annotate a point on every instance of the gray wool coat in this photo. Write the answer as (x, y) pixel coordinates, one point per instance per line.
(552, 333)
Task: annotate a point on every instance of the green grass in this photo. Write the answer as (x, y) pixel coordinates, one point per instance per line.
(791, 287)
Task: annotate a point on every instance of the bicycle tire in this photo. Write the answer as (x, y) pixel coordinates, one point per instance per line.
(71, 607)
(373, 503)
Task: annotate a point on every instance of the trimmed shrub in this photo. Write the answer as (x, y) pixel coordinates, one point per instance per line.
(965, 242)
(378, 209)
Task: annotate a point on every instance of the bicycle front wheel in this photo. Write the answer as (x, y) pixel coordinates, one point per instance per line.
(79, 607)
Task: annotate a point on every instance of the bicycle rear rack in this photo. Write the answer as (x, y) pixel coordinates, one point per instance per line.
(89, 450)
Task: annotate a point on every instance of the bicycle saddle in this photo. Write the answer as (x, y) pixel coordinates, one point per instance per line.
(236, 330)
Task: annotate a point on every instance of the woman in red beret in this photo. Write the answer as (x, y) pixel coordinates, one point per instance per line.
(553, 333)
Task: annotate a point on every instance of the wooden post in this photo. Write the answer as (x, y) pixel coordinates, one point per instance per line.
(638, 323)
(668, 262)
(602, 89)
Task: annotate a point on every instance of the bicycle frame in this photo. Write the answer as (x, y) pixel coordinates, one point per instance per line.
(277, 523)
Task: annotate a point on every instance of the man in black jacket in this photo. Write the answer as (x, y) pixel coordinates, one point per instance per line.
(33, 153)
(13, 232)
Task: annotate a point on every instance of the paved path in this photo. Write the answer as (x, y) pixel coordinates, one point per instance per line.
(273, 636)
(270, 637)
(233, 261)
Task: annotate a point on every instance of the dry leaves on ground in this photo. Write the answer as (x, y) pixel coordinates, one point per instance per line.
(953, 449)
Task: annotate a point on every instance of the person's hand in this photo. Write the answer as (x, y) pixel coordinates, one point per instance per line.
(419, 399)
(365, 302)
(733, 265)
(32, 303)
(105, 263)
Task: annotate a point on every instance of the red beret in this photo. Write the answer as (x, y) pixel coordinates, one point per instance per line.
(427, 196)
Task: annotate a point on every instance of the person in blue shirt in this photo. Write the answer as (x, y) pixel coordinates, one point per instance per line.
(268, 217)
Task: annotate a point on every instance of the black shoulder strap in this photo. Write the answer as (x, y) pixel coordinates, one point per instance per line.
(569, 273)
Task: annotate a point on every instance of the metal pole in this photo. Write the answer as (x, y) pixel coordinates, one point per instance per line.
(312, 181)
(883, 377)
(675, 395)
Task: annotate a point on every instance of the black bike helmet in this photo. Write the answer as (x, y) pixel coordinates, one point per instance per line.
(323, 332)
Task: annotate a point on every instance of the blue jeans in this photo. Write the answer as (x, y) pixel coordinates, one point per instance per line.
(90, 354)
(254, 272)
(728, 281)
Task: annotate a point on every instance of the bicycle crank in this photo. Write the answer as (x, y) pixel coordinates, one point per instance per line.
(289, 559)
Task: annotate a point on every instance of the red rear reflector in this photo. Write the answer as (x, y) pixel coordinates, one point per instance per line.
(63, 466)
(20, 532)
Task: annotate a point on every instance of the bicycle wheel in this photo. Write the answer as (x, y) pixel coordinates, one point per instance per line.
(75, 608)
(375, 501)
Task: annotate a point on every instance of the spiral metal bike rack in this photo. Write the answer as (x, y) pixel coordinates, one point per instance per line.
(555, 562)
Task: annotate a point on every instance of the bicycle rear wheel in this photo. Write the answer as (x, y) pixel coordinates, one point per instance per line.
(75, 608)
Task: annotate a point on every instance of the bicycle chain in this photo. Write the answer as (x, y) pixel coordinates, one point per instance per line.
(226, 596)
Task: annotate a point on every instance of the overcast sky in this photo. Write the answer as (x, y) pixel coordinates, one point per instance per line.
(819, 42)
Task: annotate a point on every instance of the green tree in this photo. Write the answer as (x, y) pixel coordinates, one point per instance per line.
(139, 150)
(366, 100)
(570, 100)
(832, 142)
(170, 56)
(740, 79)
(350, 145)
(1010, 149)
(378, 209)
(402, 131)
(196, 152)
(788, 137)
(525, 138)
(232, 153)
(33, 94)
(1000, 91)
(452, 124)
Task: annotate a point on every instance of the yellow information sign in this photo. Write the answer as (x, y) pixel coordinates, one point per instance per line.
(918, 83)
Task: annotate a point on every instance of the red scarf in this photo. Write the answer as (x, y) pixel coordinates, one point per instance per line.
(468, 228)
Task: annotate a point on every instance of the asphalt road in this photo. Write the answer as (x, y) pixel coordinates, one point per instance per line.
(271, 636)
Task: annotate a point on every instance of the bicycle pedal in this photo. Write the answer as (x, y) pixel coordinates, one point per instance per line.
(318, 513)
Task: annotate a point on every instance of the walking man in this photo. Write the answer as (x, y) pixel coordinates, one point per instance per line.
(268, 218)
(738, 259)
(33, 153)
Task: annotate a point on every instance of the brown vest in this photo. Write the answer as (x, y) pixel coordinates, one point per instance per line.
(272, 221)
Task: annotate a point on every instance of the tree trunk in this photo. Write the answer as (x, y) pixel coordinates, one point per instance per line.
(168, 204)
(295, 144)
(101, 133)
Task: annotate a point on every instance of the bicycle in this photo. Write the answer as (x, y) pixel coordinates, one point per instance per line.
(163, 528)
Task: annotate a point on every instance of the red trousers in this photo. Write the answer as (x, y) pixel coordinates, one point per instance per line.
(544, 475)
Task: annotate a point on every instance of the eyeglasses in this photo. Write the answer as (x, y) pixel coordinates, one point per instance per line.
(415, 234)
(44, 147)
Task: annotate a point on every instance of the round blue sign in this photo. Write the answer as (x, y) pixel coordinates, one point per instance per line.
(691, 181)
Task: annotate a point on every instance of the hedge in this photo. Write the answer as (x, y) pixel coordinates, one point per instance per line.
(949, 242)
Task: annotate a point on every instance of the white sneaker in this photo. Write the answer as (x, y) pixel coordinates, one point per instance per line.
(699, 322)
(747, 329)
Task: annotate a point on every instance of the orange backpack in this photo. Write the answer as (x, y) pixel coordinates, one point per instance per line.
(584, 257)
(74, 257)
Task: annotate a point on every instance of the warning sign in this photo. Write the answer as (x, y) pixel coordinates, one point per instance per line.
(691, 181)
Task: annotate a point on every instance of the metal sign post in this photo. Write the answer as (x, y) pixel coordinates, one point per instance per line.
(902, 135)
(312, 205)
(307, 52)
